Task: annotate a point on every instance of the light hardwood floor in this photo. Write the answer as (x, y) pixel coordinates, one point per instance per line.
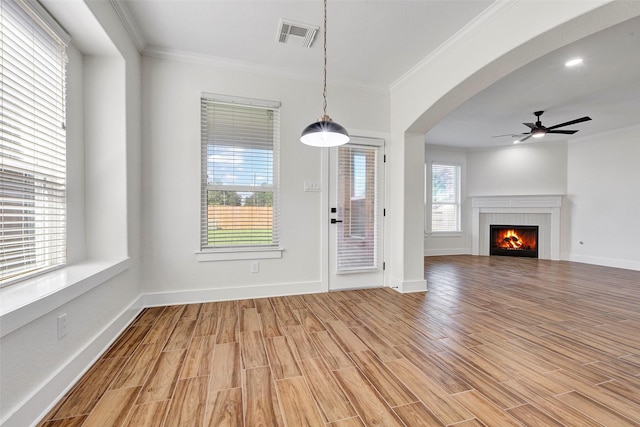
(495, 342)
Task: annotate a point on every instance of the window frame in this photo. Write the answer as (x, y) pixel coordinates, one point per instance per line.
(243, 251)
(429, 202)
(39, 172)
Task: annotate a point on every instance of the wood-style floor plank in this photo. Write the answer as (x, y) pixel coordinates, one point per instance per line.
(529, 415)
(495, 342)
(484, 410)
(330, 351)
(84, 396)
(415, 414)
(226, 367)
(253, 351)
(199, 357)
(147, 415)
(163, 377)
(373, 410)
(281, 359)
(228, 330)
(188, 404)
(440, 402)
(113, 408)
(394, 392)
(594, 409)
(224, 408)
(137, 368)
(298, 405)
(261, 400)
(332, 401)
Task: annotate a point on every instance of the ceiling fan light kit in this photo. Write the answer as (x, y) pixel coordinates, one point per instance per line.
(325, 132)
(538, 130)
(573, 62)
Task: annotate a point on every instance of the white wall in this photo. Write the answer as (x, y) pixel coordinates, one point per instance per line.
(171, 179)
(37, 367)
(471, 61)
(536, 168)
(163, 202)
(527, 169)
(448, 244)
(603, 199)
(599, 176)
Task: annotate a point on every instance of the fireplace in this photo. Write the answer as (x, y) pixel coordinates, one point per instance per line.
(514, 240)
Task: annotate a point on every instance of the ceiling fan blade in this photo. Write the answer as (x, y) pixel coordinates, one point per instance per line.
(531, 125)
(580, 120)
(566, 132)
(525, 138)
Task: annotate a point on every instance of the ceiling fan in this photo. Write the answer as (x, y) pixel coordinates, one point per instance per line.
(538, 130)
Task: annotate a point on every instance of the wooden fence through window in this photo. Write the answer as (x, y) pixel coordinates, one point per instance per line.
(239, 217)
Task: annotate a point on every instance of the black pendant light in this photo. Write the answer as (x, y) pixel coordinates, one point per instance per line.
(325, 132)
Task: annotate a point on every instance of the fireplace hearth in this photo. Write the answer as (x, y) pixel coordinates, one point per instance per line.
(514, 240)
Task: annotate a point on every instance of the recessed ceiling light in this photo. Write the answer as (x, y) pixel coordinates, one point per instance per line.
(573, 62)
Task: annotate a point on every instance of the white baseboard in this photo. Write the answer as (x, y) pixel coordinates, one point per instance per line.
(606, 262)
(408, 286)
(413, 286)
(39, 403)
(231, 293)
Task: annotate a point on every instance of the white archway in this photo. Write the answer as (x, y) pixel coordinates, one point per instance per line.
(508, 36)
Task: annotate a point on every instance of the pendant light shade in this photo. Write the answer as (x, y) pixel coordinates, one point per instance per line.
(325, 132)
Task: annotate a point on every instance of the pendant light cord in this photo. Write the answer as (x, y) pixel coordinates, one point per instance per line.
(324, 92)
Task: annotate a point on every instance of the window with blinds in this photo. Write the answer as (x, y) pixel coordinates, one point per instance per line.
(240, 152)
(32, 142)
(445, 198)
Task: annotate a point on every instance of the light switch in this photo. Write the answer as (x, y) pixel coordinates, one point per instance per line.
(311, 186)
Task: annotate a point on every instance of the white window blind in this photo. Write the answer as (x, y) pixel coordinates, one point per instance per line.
(32, 142)
(240, 154)
(358, 206)
(445, 198)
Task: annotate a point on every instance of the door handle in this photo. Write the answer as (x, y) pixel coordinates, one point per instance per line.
(333, 220)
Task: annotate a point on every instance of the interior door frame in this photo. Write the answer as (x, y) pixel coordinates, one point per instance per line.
(326, 181)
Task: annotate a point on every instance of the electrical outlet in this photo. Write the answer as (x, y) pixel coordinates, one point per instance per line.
(255, 267)
(62, 325)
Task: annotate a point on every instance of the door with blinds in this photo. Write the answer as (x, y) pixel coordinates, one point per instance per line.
(356, 214)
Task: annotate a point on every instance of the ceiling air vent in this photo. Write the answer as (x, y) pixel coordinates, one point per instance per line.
(296, 32)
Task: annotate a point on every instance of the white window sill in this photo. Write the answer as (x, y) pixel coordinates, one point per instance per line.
(444, 234)
(238, 254)
(24, 302)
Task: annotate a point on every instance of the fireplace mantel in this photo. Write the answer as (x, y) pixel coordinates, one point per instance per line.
(537, 206)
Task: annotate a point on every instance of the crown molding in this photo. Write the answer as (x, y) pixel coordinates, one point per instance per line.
(129, 23)
(472, 27)
(214, 61)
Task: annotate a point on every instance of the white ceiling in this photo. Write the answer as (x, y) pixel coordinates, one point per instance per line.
(372, 44)
(606, 87)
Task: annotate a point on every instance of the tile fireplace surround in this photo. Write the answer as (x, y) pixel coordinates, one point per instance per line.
(540, 210)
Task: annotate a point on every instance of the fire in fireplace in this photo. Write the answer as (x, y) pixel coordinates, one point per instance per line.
(514, 240)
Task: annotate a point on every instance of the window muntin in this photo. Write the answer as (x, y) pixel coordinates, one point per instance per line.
(445, 198)
(240, 141)
(32, 143)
